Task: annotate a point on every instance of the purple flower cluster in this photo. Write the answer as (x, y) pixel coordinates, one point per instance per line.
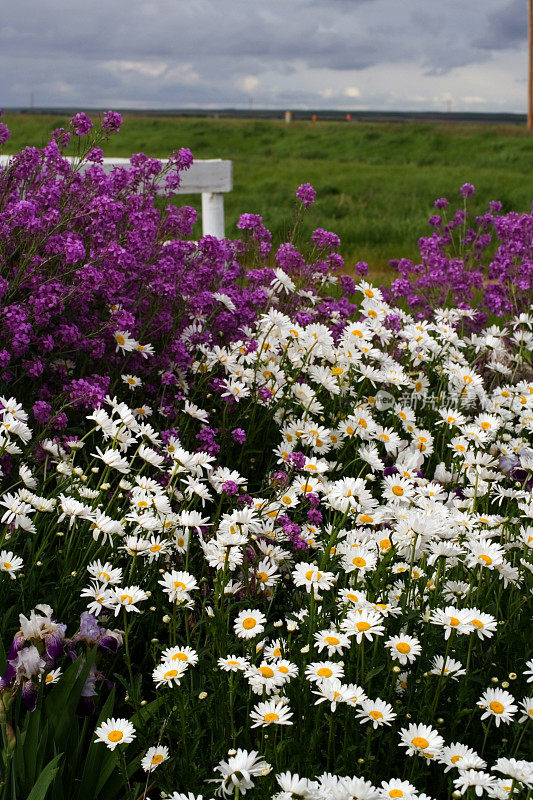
(483, 263)
(84, 254)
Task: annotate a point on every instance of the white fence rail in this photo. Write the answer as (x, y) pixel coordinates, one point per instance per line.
(211, 178)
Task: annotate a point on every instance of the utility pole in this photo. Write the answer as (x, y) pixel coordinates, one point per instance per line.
(530, 65)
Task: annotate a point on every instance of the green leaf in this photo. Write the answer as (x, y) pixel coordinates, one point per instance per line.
(44, 780)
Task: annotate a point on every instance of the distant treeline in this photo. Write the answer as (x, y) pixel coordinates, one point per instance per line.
(319, 114)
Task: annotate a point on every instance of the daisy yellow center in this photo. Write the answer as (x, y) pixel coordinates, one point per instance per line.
(271, 717)
(385, 544)
(485, 558)
(325, 672)
(266, 672)
(115, 736)
(359, 562)
(375, 714)
(403, 647)
(105, 575)
(126, 599)
(287, 500)
(332, 640)
(352, 597)
(277, 652)
(249, 623)
(49, 679)
(477, 623)
(420, 742)
(232, 663)
(395, 793)
(369, 293)
(365, 518)
(157, 759)
(120, 339)
(263, 577)
(171, 673)
(362, 626)
(310, 573)
(350, 430)
(497, 707)
(337, 371)
(485, 425)
(181, 542)
(455, 759)
(155, 548)
(363, 423)
(454, 622)
(397, 490)
(179, 657)
(179, 585)
(283, 669)
(7, 565)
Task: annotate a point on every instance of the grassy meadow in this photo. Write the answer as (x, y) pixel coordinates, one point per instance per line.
(376, 182)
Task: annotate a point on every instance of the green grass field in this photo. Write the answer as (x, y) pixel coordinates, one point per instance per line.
(376, 183)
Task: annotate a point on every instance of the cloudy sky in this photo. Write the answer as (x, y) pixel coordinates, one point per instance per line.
(300, 54)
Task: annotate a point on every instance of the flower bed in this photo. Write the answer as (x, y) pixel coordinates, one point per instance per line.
(270, 534)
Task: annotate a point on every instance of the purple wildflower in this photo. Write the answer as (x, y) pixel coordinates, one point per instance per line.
(467, 190)
(306, 194)
(111, 122)
(81, 123)
(239, 435)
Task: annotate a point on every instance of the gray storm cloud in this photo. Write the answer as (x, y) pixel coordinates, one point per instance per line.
(168, 53)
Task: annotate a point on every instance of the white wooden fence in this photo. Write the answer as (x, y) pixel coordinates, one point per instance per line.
(211, 178)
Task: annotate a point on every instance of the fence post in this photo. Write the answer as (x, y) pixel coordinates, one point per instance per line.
(213, 214)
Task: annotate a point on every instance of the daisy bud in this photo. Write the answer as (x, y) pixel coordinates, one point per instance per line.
(166, 619)
(305, 649)
(144, 702)
(96, 470)
(494, 680)
(153, 608)
(409, 716)
(505, 684)
(396, 669)
(74, 573)
(202, 695)
(457, 794)
(291, 625)
(360, 760)
(512, 676)
(38, 563)
(232, 752)
(154, 641)
(278, 623)
(440, 721)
